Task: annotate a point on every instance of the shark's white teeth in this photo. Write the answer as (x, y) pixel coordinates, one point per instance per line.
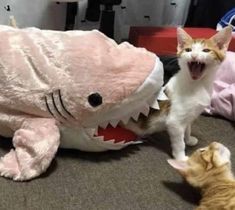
(135, 115)
(104, 125)
(111, 141)
(145, 110)
(96, 131)
(114, 123)
(137, 142)
(99, 138)
(162, 96)
(125, 120)
(155, 105)
(151, 100)
(121, 142)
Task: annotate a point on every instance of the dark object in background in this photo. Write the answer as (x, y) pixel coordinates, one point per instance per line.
(207, 13)
(107, 15)
(71, 12)
(93, 10)
(170, 65)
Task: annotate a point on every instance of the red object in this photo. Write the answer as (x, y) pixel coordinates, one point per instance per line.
(163, 41)
(118, 133)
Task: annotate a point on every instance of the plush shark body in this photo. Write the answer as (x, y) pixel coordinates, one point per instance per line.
(57, 88)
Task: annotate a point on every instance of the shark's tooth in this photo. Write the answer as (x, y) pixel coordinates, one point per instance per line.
(152, 99)
(162, 96)
(145, 110)
(96, 131)
(135, 115)
(104, 125)
(155, 105)
(114, 123)
(99, 138)
(125, 119)
(120, 142)
(111, 141)
(137, 142)
(90, 131)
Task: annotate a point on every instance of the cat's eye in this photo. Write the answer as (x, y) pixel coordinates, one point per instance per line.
(95, 99)
(206, 50)
(202, 150)
(188, 49)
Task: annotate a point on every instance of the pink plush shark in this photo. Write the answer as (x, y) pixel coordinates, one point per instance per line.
(57, 88)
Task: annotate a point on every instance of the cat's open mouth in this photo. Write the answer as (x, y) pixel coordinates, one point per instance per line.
(196, 69)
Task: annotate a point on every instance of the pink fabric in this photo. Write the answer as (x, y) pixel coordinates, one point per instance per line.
(39, 68)
(37, 61)
(223, 97)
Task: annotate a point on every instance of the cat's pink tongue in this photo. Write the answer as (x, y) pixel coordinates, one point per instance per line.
(196, 72)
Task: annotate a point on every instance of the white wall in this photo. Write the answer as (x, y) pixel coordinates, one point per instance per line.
(38, 13)
(49, 15)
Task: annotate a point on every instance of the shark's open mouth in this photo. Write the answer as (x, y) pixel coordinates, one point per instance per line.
(196, 69)
(113, 131)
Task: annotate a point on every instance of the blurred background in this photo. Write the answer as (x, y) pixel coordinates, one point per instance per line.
(99, 14)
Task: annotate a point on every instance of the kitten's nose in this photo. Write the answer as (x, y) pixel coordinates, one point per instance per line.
(194, 56)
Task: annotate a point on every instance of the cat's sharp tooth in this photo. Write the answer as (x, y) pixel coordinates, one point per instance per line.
(104, 125)
(114, 123)
(145, 110)
(135, 115)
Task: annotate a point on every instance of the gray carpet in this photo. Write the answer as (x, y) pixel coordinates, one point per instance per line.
(136, 178)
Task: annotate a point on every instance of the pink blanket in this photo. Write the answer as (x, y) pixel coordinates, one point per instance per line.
(223, 97)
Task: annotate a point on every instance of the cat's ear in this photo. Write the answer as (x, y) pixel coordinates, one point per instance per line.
(223, 38)
(180, 165)
(182, 37)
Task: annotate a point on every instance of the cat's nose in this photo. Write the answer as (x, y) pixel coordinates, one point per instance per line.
(194, 56)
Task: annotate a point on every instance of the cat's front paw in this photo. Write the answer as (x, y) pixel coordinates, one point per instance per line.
(181, 157)
(184, 158)
(192, 141)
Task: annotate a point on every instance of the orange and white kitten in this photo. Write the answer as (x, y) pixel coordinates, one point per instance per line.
(189, 90)
(209, 169)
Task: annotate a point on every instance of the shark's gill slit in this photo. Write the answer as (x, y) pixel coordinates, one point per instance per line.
(54, 104)
(62, 104)
(48, 107)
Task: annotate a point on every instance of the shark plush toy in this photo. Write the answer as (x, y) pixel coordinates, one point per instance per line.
(69, 89)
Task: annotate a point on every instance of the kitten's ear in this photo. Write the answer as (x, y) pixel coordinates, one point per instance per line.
(223, 38)
(182, 37)
(180, 165)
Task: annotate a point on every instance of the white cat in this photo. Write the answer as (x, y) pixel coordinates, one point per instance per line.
(189, 90)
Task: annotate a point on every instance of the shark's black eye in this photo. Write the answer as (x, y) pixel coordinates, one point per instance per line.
(95, 99)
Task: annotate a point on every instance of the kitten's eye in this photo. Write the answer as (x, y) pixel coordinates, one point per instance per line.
(187, 49)
(206, 50)
(95, 99)
(202, 150)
